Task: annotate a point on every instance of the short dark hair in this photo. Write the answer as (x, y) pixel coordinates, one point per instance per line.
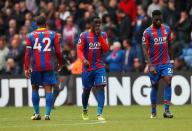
(156, 13)
(94, 17)
(41, 20)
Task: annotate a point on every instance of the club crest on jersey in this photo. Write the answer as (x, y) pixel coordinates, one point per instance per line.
(160, 40)
(95, 45)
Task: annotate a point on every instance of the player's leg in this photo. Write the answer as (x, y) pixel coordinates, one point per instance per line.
(49, 80)
(167, 76)
(35, 82)
(154, 91)
(101, 101)
(87, 80)
(49, 101)
(100, 83)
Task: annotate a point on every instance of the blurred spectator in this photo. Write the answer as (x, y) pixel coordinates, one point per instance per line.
(58, 22)
(115, 58)
(129, 56)
(17, 52)
(63, 12)
(109, 28)
(84, 21)
(10, 34)
(143, 21)
(3, 26)
(130, 8)
(176, 46)
(170, 15)
(112, 8)
(137, 66)
(124, 26)
(102, 11)
(91, 9)
(153, 6)
(97, 4)
(51, 10)
(8, 15)
(29, 20)
(3, 54)
(70, 33)
(12, 67)
(183, 28)
(23, 32)
(23, 8)
(31, 6)
(18, 16)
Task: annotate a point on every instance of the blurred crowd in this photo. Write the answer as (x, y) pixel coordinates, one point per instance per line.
(123, 20)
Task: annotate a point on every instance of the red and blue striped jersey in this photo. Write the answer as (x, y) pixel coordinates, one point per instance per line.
(158, 40)
(91, 47)
(40, 44)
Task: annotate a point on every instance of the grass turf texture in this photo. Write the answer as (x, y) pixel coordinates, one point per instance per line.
(118, 118)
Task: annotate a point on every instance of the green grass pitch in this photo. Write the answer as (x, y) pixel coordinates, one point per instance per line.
(118, 118)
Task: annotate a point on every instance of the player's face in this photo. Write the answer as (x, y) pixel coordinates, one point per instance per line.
(157, 21)
(96, 25)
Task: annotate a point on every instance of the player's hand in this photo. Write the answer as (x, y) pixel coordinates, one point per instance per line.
(146, 69)
(173, 65)
(97, 31)
(27, 73)
(152, 70)
(86, 63)
(60, 67)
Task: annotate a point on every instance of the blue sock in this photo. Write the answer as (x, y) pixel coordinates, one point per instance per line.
(49, 102)
(153, 97)
(167, 97)
(101, 100)
(35, 100)
(85, 98)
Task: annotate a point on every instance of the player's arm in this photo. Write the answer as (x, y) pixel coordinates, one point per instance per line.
(145, 45)
(27, 57)
(104, 43)
(81, 48)
(58, 52)
(170, 49)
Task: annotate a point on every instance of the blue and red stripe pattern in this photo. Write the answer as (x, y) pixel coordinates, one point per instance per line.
(40, 44)
(91, 48)
(158, 40)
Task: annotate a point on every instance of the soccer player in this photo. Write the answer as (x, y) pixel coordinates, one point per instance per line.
(40, 44)
(157, 51)
(91, 45)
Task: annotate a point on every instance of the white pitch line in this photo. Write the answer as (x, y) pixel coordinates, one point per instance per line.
(47, 125)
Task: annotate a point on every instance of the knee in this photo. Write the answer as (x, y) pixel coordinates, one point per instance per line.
(35, 88)
(86, 91)
(155, 86)
(100, 88)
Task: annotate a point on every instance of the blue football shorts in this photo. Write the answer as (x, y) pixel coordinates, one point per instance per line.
(94, 78)
(162, 70)
(43, 77)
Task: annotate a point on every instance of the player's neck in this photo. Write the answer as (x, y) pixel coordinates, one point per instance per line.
(41, 27)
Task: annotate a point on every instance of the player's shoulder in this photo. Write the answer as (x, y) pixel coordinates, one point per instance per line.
(103, 34)
(166, 26)
(147, 30)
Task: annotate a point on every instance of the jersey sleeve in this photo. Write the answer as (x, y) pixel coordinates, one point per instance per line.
(104, 42)
(57, 49)
(28, 53)
(145, 38)
(169, 36)
(81, 46)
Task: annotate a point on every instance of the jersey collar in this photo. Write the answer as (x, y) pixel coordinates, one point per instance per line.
(41, 29)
